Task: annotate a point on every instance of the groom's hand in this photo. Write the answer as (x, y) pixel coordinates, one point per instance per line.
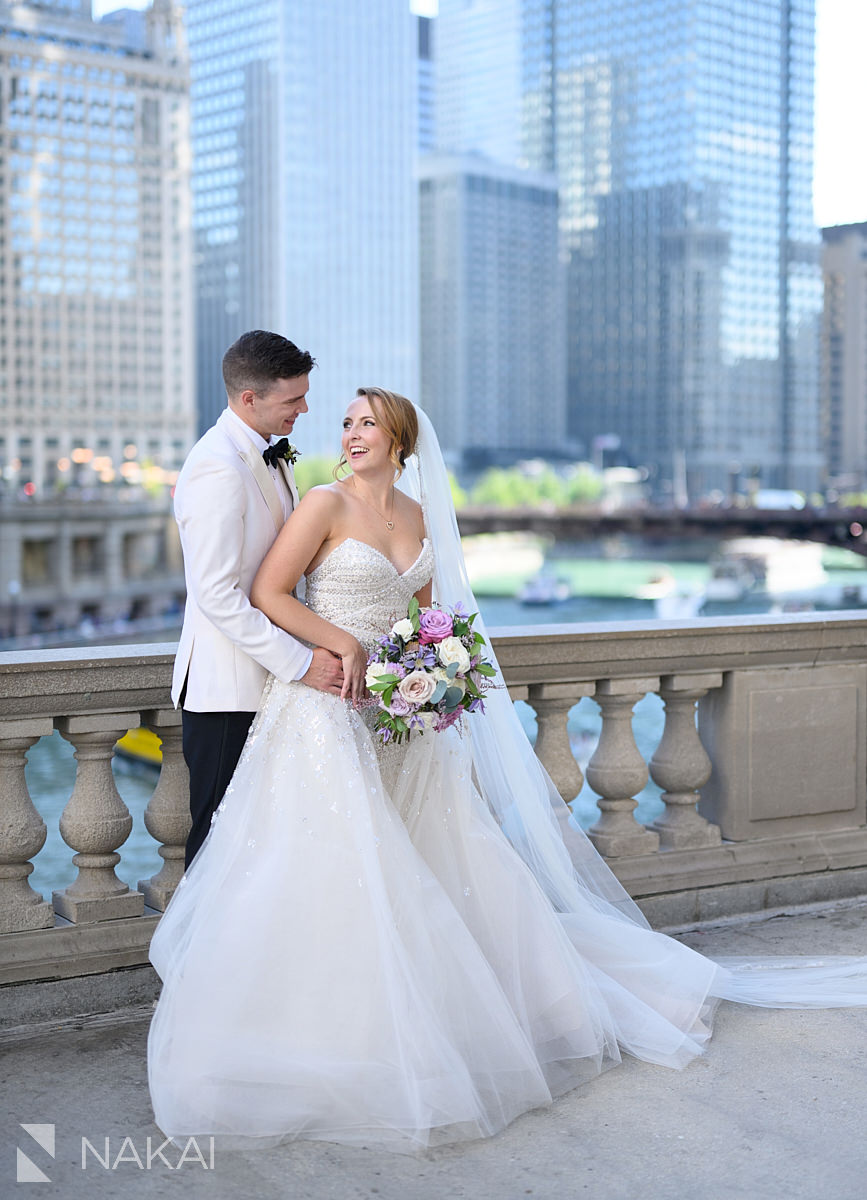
(325, 672)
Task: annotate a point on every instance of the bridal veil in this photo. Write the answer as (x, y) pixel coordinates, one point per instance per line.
(541, 828)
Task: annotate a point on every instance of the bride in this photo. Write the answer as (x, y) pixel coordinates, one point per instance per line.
(407, 945)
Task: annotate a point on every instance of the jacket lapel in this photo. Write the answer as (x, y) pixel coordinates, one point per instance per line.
(289, 476)
(256, 463)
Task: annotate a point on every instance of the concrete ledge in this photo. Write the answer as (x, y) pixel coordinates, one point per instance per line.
(558, 653)
(758, 861)
(701, 905)
(100, 679)
(25, 1007)
(72, 950)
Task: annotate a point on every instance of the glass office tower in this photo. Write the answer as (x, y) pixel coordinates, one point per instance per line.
(680, 132)
(304, 136)
(492, 360)
(95, 260)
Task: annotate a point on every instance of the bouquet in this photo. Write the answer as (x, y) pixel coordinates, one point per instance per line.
(428, 671)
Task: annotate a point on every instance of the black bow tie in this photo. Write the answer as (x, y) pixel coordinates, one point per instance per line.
(278, 450)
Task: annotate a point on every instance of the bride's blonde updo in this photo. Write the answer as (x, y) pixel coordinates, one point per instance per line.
(397, 417)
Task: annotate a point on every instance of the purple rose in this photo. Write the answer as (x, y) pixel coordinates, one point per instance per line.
(434, 625)
(399, 707)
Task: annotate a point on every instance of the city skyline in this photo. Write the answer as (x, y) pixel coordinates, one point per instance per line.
(681, 138)
(840, 179)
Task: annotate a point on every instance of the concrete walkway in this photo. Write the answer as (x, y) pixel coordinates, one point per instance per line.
(776, 1110)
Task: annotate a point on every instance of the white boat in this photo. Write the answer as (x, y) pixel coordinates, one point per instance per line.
(730, 580)
(545, 589)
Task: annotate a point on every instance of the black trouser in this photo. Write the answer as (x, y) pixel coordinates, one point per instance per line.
(213, 742)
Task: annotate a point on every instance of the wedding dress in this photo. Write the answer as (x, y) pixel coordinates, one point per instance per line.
(373, 948)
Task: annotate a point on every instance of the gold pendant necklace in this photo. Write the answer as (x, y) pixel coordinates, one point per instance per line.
(388, 524)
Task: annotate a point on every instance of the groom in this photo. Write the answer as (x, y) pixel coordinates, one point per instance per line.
(232, 497)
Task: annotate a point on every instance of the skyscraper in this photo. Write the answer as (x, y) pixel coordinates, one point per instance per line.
(305, 207)
(492, 361)
(95, 273)
(492, 280)
(680, 132)
(844, 355)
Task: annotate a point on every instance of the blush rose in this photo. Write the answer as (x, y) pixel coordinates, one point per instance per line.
(417, 687)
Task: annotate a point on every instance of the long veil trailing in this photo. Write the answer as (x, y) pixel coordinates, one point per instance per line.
(573, 875)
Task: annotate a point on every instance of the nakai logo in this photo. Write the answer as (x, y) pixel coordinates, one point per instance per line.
(27, 1170)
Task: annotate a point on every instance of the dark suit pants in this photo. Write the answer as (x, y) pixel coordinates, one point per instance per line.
(213, 742)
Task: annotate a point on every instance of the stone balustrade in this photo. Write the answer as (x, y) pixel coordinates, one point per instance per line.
(762, 765)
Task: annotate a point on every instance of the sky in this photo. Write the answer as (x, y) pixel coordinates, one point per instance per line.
(840, 177)
(840, 172)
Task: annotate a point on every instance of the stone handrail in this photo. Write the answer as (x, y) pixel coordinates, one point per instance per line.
(765, 797)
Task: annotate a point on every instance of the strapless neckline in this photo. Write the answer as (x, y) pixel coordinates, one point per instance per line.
(384, 557)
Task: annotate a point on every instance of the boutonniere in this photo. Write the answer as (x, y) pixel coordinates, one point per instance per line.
(282, 449)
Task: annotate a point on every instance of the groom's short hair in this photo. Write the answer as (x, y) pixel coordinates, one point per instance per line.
(258, 359)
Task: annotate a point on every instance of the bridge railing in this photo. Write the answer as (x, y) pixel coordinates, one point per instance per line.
(764, 795)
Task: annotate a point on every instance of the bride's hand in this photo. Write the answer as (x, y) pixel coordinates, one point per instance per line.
(354, 658)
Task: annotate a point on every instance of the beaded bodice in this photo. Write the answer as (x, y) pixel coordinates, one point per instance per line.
(359, 589)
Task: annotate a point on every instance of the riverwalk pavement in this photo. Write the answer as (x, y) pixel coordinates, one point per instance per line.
(775, 1110)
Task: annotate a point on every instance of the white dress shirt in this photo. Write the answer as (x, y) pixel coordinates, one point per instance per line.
(276, 474)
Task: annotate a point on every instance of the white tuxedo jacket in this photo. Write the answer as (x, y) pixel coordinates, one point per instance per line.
(229, 513)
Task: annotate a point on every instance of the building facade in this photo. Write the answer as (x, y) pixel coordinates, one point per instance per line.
(844, 356)
(680, 132)
(425, 83)
(305, 210)
(492, 280)
(492, 361)
(95, 264)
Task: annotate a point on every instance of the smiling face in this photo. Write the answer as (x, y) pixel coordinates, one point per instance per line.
(273, 412)
(366, 445)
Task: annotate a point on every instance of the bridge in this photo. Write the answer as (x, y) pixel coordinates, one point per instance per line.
(843, 527)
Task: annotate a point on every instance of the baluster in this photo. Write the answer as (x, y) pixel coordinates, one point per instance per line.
(95, 822)
(167, 816)
(22, 830)
(617, 771)
(553, 702)
(680, 764)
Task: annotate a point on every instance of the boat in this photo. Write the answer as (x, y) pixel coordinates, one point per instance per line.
(730, 580)
(544, 589)
(140, 747)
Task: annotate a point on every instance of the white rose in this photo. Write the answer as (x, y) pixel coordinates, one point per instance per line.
(417, 687)
(452, 650)
(403, 629)
(375, 669)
